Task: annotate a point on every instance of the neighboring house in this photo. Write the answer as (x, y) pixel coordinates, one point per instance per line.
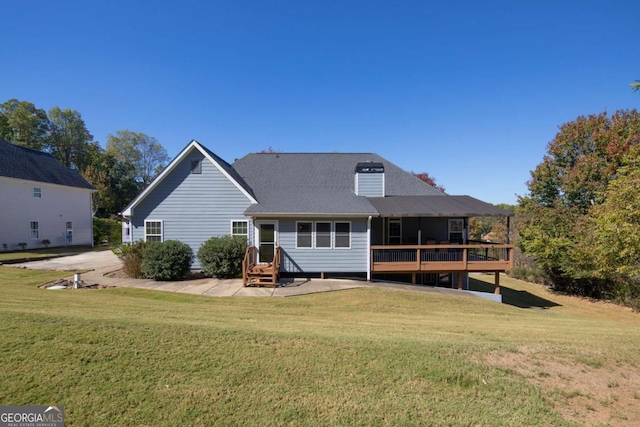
(348, 214)
(41, 200)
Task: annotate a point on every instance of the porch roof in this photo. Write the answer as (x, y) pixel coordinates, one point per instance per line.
(435, 206)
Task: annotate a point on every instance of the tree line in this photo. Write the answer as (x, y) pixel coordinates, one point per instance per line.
(118, 172)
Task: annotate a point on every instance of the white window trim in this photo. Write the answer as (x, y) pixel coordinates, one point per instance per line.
(31, 230)
(236, 234)
(454, 220)
(312, 235)
(393, 221)
(161, 229)
(335, 235)
(315, 235)
(39, 196)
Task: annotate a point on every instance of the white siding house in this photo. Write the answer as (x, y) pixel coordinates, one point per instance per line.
(41, 200)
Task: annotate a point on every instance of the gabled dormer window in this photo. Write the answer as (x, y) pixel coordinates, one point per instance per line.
(196, 166)
(37, 192)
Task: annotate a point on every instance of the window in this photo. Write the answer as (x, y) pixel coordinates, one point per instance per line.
(196, 166)
(456, 228)
(395, 232)
(303, 235)
(37, 192)
(343, 235)
(323, 234)
(240, 228)
(35, 230)
(153, 231)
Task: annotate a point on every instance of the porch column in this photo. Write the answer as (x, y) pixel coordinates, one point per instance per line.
(497, 282)
(508, 228)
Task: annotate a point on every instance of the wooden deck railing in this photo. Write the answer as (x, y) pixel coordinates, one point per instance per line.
(257, 273)
(441, 258)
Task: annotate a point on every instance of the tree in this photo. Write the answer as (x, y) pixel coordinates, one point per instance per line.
(635, 85)
(69, 141)
(572, 179)
(21, 123)
(143, 151)
(115, 184)
(424, 176)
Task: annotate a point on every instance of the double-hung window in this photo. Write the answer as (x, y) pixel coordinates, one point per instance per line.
(323, 235)
(153, 231)
(35, 230)
(342, 235)
(37, 192)
(304, 238)
(240, 229)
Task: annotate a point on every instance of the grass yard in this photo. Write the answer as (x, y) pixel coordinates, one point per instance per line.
(359, 357)
(32, 254)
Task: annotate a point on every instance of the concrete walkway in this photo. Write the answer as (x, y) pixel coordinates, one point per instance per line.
(101, 263)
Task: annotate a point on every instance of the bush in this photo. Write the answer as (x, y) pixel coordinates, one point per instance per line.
(132, 256)
(221, 257)
(169, 260)
(106, 230)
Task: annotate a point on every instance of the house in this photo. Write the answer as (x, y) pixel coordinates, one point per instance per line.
(348, 214)
(41, 200)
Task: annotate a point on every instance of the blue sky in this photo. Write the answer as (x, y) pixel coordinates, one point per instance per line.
(469, 91)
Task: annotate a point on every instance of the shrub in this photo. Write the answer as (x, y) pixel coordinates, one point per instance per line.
(46, 243)
(22, 245)
(222, 256)
(169, 260)
(132, 256)
(106, 231)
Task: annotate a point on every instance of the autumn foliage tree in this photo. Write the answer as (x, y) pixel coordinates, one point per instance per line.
(424, 176)
(567, 191)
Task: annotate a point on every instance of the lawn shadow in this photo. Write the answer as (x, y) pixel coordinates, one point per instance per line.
(521, 299)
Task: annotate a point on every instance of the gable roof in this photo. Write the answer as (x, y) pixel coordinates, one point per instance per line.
(218, 162)
(319, 183)
(25, 163)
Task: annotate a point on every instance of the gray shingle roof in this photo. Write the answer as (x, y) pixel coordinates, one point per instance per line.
(446, 206)
(319, 183)
(24, 163)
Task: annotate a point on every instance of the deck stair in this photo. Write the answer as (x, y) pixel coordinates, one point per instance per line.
(256, 273)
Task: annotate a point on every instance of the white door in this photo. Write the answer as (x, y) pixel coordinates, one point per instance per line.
(69, 233)
(267, 239)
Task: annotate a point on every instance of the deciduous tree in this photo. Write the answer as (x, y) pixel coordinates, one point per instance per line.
(143, 151)
(573, 177)
(424, 176)
(21, 123)
(68, 140)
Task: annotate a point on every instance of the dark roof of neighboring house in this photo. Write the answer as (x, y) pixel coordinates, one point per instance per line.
(319, 183)
(25, 163)
(445, 206)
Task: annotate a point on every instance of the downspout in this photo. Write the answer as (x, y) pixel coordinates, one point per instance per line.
(369, 248)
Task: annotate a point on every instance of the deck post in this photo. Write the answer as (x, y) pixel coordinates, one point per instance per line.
(322, 275)
(497, 282)
(460, 280)
(413, 278)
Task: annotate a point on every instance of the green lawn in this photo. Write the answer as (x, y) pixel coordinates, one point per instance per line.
(359, 357)
(32, 254)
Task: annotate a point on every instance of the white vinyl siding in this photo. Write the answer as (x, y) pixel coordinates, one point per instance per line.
(63, 203)
(153, 231)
